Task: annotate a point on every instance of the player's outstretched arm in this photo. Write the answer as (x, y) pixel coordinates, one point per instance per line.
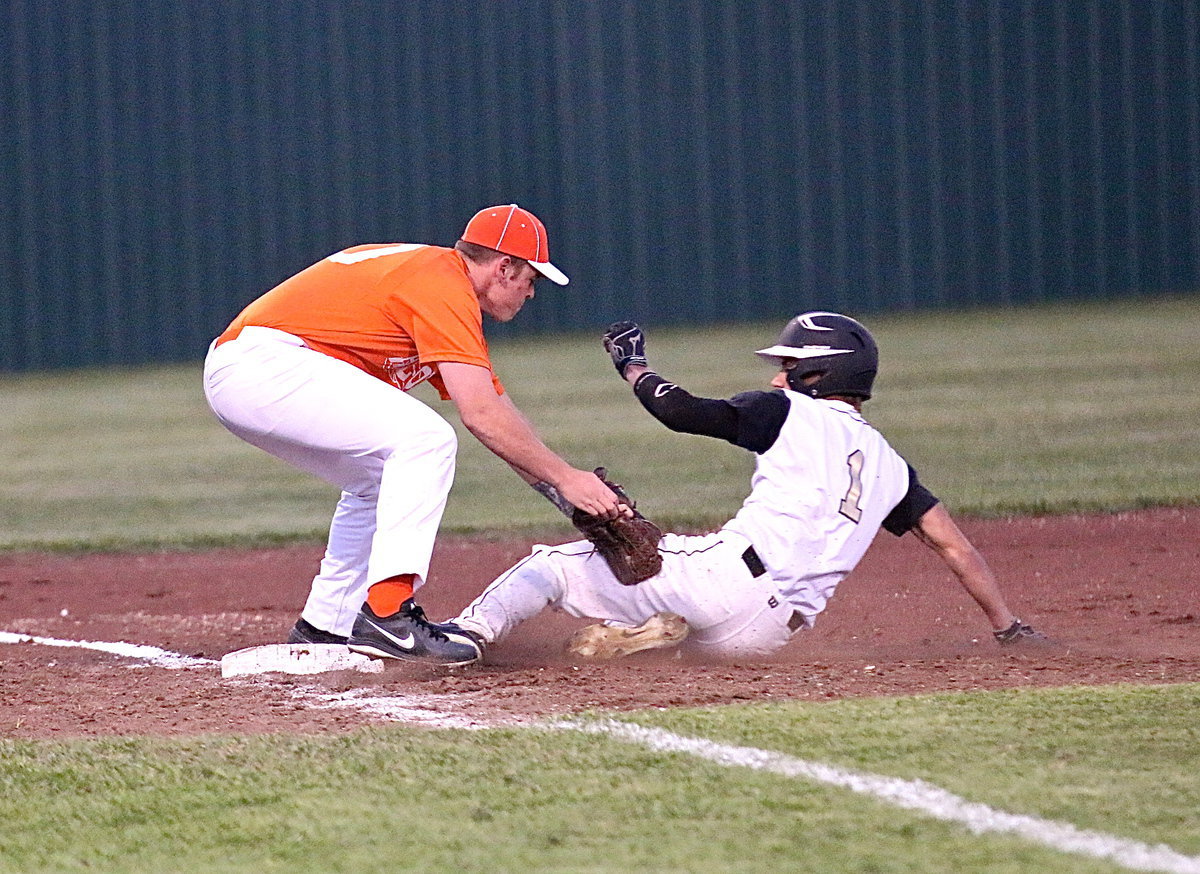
(937, 530)
(495, 421)
(674, 407)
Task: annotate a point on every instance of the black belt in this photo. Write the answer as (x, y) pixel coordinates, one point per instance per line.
(757, 569)
(753, 562)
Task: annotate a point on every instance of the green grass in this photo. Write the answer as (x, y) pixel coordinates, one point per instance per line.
(1049, 409)
(1119, 759)
(1123, 761)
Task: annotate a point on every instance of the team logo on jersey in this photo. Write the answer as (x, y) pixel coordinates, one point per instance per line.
(405, 373)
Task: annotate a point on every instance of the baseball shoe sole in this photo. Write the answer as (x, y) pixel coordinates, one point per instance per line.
(305, 632)
(660, 631)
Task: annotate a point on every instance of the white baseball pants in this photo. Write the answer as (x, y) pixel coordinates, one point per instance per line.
(390, 454)
(704, 579)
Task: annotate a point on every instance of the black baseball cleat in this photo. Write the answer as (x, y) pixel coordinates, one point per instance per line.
(305, 632)
(409, 636)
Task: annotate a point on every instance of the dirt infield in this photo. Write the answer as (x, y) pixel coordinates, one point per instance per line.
(1120, 593)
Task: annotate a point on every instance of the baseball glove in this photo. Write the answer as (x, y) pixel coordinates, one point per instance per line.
(629, 544)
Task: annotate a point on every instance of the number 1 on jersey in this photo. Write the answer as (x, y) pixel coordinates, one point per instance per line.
(849, 506)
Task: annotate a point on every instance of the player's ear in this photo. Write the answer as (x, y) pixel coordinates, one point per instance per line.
(505, 266)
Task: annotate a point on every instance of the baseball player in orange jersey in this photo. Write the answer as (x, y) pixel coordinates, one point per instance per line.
(825, 482)
(316, 372)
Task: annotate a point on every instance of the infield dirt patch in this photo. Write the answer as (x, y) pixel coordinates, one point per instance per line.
(1120, 593)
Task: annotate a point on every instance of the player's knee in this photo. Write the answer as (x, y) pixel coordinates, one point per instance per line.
(540, 557)
(428, 440)
(547, 561)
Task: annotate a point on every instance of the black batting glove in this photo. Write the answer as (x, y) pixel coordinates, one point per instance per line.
(626, 344)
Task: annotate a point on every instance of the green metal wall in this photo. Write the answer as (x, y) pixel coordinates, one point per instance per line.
(165, 162)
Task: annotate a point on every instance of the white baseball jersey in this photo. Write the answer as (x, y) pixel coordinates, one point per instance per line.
(818, 496)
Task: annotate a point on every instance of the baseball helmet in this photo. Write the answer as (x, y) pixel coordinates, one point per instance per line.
(834, 346)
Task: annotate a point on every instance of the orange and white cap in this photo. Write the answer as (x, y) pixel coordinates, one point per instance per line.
(517, 232)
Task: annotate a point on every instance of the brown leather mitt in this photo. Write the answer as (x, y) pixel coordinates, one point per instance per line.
(629, 544)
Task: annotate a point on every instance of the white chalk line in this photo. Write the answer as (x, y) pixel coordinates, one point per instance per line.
(426, 710)
(916, 795)
(152, 655)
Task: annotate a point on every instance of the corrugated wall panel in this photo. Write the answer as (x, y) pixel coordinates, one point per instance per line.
(164, 163)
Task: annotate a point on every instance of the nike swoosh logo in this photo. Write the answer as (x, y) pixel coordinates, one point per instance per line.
(661, 390)
(405, 642)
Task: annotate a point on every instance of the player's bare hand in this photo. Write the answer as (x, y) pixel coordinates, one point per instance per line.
(585, 490)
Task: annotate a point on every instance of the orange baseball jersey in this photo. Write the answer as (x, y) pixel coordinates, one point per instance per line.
(393, 310)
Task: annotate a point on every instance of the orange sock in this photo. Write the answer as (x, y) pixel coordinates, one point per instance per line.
(385, 597)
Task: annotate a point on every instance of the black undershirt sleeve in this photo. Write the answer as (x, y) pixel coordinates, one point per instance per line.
(915, 504)
(751, 420)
